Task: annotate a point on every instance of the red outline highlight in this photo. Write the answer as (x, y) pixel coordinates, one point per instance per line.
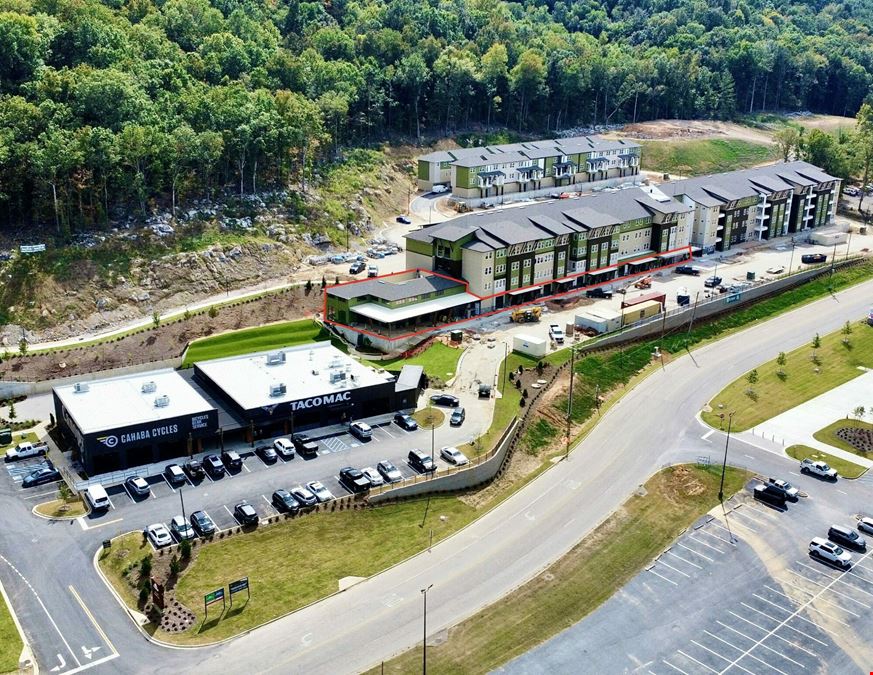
(578, 290)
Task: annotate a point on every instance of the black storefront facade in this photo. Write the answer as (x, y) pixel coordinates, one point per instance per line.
(116, 448)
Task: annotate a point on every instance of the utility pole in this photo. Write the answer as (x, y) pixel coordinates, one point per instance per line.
(791, 264)
(724, 463)
(570, 403)
(505, 364)
(432, 433)
(182, 499)
(424, 639)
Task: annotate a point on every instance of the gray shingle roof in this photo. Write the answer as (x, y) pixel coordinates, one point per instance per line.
(388, 290)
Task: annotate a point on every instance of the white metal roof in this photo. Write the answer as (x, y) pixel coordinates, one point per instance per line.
(388, 315)
(306, 372)
(120, 401)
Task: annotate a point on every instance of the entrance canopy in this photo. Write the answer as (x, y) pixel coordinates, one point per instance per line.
(383, 314)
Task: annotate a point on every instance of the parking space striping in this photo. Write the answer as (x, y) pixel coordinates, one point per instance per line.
(847, 597)
(334, 444)
(669, 581)
(697, 553)
(786, 640)
(168, 484)
(214, 522)
(691, 658)
(738, 523)
(684, 574)
(797, 630)
(269, 503)
(678, 670)
(684, 560)
(703, 543)
(734, 664)
(739, 649)
(711, 651)
(715, 536)
(797, 611)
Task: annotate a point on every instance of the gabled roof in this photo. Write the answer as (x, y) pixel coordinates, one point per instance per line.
(389, 290)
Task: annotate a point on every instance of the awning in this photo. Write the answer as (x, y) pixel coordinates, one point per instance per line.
(696, 249)
(641, 261)
(672, 255)
(603, 270)
(521, 291)
(565, 281)
(383, 314)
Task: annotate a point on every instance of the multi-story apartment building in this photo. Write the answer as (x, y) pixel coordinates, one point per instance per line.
(498, 172)
(519, 254)
(761, 203)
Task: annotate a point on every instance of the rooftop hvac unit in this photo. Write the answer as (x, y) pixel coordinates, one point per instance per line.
(337, 376)
(315, 371)
(149, 387)
(162, 401)
(277, 390)
(275, 358)
(80, 387)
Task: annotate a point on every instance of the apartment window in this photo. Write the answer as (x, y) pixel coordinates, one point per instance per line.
(527, 262)
(501, 253)
(515, 266)
(488, 256)
(500, 269)
(488, 271)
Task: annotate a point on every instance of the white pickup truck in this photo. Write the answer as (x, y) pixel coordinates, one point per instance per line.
(817, 468)
(556, 334)
(25, 450)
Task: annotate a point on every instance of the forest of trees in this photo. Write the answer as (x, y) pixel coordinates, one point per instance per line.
(115, 105)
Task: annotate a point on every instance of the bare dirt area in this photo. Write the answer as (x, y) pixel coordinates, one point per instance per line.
(828, 123)
(671, 130)
(166, 341)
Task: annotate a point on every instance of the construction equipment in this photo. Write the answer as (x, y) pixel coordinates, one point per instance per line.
(645, 282)
(526, 315)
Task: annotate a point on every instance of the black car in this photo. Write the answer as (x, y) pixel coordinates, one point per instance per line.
(770, 495)
(847, 537)
(43, 475)
(688, 269)
(304, 444)
(357, 267)
(267, 453)
(213, 465)
(405, 421)
(284, 501)
(420, 461)
(598, 293)
(232, 460)
(245, 513)
(194, 469)
(403, 219)
(202, 523)
(712, 282)
(458, 417)
(811, 258)
(354, 479)
(445, 400)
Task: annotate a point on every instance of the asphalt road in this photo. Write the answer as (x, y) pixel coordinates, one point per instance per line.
(652, 426)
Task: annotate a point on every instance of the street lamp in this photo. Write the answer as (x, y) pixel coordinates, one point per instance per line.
(791, 264)
(724, 463)
(570, 403)
(424, 638)
(182, 500)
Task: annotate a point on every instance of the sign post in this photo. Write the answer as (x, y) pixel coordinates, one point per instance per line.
(213, 597)
(240, 585)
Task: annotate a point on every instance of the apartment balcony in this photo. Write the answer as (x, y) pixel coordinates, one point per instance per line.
(720, 215)
(761, 228)
(719, 227)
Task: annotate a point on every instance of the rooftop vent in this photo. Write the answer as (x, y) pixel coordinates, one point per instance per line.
(277, 390)
(162, 401)
(81, 387)
(337, 376)
(275, 358)
(149, 387)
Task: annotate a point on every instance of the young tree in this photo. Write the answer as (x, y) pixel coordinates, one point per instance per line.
(213, 311)
(859, 412)
(816, 342)
(847, 328)
(12, 413)
(156, 319)
(781, 360)
(752, 377)
(788, 140)
(22, 346)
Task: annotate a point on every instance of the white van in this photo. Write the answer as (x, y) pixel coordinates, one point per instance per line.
(97, 498)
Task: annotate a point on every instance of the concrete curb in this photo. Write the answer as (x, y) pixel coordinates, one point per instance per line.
(59, 518)
(26, 660)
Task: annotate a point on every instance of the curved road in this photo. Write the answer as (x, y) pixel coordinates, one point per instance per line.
(653, 425)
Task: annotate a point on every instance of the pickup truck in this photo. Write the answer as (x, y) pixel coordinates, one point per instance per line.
(817, 468)
(687, 269)
(598, 293)
(556, 333)
(25, 450)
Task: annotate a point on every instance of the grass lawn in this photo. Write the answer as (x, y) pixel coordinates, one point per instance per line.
(118, 562)
(699, 157)
(20, 438)
(829, 435)
(579, 582)
(429, 417)
(59, 508)
(438, 360)
(774, 394)
(844, 468)
(10, 641)
(258, 339)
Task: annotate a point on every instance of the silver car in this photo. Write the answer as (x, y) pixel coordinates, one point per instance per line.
(322, 494)
(159, 535)
(374, 476)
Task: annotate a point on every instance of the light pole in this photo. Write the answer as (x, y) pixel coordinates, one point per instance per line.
(724, 463)
(424, 637)
(791, 263)
(570, 403)
(432, 432)
(505, 364)
(182, 500)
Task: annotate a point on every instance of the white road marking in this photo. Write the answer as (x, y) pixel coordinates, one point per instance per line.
(714, 548)
(684, 560)
(691, 658)
(684, 574)
(855, 588)
(715, 536)
(842, 492)
(679, 543)
(708, 434)
(248, 470)
(847, 597)
(678, 670)
(63, 664)
(663, 577)
(111, 505)
(749, 456)
(85, 526)
(754, 609)
(168, 483)
(713, 652)
(793, 473)
(817, 570)
(41, 494)
(269, 504)
(735, 664)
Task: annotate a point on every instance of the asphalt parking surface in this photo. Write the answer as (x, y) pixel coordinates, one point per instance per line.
(736, 593)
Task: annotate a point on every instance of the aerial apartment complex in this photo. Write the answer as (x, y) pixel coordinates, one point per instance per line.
(521, 170)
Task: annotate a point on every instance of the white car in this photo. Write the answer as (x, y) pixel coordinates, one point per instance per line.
(818, 468)
(830, 552)
(453, 456)
(284, 448)
(159, 534)
(866, 525)
(439, 189)
(373, 476)
(322, 494)
(182, 528)
(776, 269)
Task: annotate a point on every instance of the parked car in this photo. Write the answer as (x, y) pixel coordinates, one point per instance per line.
(372, 271)
(267, 453)
(174, 474)
(770, 494)
(361, 430)
(865, 524)
(194, 469)
(284, 501)
(786, 487)
(420, 461)
(159, 535)
(439, 188)
(688, 269)
(232, 460)
(712, 282)
(817, 468)
(446, 400)
(304, 444)
(403, 219)
(812, 258)
(245, 513)
(598, 293)
(202, 523)
(284, 448)
(776, 269)
(181, 529)
(373, 476)
(851, 191)
(322, 494)
(43, 475)
(26, 450)
(137, 486)
(830, 552)
(304, 496)
(405, 421)
(392, 474)
(458, 417)
(357, 267)
(354, 479)
(847, 537)
(453, 456)
(213, 465)
(97, 498)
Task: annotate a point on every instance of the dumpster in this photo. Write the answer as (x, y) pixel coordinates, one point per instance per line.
(5, 436)
(750, 276)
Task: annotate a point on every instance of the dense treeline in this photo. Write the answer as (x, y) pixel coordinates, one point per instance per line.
(116, 104)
